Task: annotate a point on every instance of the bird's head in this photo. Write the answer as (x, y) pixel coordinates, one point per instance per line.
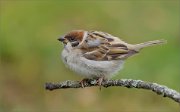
(74, 38)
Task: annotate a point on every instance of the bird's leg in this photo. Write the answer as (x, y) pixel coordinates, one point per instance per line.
(82, 82)
(100, 80)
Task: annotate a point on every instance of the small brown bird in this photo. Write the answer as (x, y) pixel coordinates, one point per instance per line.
(96, 54)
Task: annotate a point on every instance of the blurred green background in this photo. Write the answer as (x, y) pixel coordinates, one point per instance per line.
(30, 54)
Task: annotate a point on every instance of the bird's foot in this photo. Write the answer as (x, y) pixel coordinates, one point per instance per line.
(83, 81)
(99, 81)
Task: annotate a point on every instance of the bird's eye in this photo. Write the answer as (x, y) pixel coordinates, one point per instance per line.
(71, 39)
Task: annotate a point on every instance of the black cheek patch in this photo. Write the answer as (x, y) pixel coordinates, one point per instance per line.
(75, 43)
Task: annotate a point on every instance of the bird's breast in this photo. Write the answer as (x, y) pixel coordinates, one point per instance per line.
(90, 68)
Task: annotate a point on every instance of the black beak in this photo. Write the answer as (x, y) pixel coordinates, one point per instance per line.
(62, 39)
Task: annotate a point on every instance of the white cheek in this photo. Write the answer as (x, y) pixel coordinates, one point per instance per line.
(68, 47)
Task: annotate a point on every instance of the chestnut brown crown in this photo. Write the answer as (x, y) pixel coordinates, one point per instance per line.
(74, 37)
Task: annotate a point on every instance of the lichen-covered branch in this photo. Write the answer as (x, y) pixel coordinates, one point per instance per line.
(129, 83)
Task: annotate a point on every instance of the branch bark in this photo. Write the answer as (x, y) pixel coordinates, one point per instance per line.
(129, 83)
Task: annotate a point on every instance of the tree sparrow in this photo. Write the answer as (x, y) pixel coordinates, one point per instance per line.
(96, 54)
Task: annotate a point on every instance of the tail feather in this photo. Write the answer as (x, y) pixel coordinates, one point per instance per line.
(138, 47)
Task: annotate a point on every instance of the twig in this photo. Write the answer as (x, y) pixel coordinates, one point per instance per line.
(129, 83)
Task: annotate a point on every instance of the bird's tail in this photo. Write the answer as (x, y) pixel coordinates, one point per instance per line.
(138, 47)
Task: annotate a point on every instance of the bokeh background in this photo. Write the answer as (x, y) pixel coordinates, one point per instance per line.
(30, 54)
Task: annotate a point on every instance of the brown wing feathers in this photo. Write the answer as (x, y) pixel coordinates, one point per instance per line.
(106, 50)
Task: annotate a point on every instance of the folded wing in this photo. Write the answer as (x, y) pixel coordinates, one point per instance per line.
(101, 46)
